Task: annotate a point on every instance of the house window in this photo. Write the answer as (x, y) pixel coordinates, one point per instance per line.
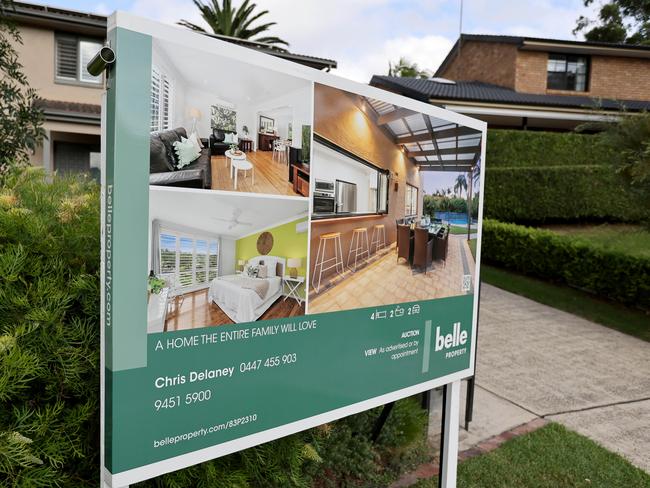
(411, 208)
(161, 101)
(567, 72)
(71, 58)
(188, 261)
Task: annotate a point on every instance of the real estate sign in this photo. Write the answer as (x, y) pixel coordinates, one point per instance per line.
(279, 248)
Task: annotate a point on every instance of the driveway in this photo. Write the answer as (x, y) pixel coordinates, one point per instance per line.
(536, 361)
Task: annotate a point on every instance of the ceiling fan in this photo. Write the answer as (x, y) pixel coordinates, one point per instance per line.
(234, 220)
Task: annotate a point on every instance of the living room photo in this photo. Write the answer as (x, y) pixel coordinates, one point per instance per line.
(219, 258)
(228, 125)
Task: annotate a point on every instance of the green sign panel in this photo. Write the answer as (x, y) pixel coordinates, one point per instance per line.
(274, 256)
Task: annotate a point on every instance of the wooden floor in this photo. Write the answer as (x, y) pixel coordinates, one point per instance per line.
(196, 311)
(271, 176)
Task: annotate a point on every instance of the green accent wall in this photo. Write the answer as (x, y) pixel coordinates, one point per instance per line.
(287, 243)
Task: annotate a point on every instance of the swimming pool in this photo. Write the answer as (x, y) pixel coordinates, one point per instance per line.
(454, 218)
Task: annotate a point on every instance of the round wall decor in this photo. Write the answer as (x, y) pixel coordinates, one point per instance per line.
(265, 243)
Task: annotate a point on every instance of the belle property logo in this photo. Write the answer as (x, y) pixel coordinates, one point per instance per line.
(452, 341)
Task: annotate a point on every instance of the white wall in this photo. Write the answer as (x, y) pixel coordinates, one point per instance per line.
(334, 166)
(300, 102)
(228, 255)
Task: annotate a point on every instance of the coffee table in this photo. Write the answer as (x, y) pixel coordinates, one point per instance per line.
(244, 165)
(230, 156)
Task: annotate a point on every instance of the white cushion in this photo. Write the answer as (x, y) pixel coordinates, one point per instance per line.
(197, 142)
(186, 152)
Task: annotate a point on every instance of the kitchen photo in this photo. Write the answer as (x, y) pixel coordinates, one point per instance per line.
(378, 232)
(218, 258)
(223, 124)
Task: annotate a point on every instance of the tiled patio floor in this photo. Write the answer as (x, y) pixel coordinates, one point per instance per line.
(384, 281)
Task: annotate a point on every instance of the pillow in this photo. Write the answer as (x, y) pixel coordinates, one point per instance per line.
(271, 271)
(158, 161)
(196, 140)
(186, 152)
(253, 271)
(168, 138)
(262, 271)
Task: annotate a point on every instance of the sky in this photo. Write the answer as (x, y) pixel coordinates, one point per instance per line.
(364, 35)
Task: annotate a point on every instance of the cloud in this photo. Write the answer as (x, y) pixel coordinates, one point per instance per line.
(364, 35)
(427, 51)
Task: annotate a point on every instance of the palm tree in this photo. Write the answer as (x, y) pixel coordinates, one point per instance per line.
(226, 20)
(406, 69)
(460, 184)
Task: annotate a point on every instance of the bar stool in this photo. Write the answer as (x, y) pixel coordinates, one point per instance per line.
(359, 235)
(378, 237)
(335, 237)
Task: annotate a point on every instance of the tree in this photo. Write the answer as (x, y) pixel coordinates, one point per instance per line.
(619, 21)
(629, 137)
(404, 68)
(460, 184)
(20, 119)
(224, 19)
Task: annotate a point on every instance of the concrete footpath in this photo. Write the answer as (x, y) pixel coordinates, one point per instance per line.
(535, 361)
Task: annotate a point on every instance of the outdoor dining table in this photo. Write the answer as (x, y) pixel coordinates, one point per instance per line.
(433, 230)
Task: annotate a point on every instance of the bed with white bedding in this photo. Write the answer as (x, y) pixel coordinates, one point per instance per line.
(245, 299)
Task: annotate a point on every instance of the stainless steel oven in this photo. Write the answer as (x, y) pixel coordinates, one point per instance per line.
(325, 187)
(323, 204)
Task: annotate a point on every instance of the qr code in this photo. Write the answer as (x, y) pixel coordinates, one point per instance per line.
(467, 283)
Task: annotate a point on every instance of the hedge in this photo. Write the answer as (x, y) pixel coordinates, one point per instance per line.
(569, 260)
(49, 368)
(559, 194)
(531, 148)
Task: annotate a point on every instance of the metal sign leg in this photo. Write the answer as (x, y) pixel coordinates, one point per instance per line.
(449, 452)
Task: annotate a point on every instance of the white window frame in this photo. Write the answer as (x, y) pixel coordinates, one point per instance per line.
(209, 240)
(78, 80)
(409, 201)
(163, 119)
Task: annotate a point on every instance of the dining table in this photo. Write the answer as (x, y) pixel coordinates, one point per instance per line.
(433, 229)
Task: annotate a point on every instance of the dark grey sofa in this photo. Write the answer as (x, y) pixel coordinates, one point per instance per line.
(162, 162)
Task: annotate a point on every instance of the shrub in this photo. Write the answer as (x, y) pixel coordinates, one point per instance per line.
(629, 137)
(49, 367)
(559, 193)
(513, 148)
(49, 331)
(569, 260)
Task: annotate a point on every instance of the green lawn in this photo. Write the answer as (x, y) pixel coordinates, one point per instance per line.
(631, 239)
(461, 229)
(551, 457)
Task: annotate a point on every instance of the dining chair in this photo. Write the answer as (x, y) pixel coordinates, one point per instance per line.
(422, 249)
(404, 240)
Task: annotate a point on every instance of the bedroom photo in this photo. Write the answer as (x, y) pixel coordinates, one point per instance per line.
(228, 125)
(222, 258)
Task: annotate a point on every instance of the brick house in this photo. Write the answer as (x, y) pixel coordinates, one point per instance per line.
(530, 83)
(57, 45)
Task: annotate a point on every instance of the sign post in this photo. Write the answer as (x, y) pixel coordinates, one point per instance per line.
(272, 255)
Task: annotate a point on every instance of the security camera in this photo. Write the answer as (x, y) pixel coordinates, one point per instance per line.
(105, 57)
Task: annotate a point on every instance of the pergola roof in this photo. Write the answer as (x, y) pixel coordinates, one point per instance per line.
(431, 143)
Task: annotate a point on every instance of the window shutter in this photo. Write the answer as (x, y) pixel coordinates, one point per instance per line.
(66, 58)
(155, 100)
(168, 257)
(186, 261)
(201, 261)
(213, 261)
(165, 121)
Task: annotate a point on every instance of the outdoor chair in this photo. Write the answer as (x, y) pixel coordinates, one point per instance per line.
(404, 242)
(423, 249)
